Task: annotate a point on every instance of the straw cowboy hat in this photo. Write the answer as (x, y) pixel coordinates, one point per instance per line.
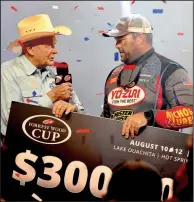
(37, 26)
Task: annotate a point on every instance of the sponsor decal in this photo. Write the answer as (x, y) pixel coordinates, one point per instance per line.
(67, 78)
(146, 78)
(122, 115)
(146, 75)
(179, 117)
(58, 78)
(187, 81)
(150, 80)
(117, 70)
(120, 97)
(112, 80)
(52, 131)
(48, 121)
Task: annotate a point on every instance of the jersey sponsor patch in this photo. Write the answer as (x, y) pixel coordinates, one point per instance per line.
(120, 97)
(117, 70)
(122, 115)
(112, 80)
(147, 80)
(187, 81)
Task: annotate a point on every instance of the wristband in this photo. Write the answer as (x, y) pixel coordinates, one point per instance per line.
(149, 115)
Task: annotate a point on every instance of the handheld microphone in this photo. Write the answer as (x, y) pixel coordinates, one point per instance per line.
(63, 75)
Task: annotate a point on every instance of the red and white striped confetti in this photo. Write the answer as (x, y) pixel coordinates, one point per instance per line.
(101, 31)
(14, 8)
(132, 2)
(180, 33)
(76, 7)
(100, 8)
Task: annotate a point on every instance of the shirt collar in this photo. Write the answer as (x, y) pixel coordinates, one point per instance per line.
(143, 57)
(29, 68)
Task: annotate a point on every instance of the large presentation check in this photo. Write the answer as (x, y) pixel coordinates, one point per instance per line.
(72, 158)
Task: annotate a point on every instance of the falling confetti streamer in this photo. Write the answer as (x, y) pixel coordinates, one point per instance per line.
(55, 7)
(132, 2)
(101, 31)
(157, 11)
(14, 8)
(110, 25)
(36, 197)
(100, 8)
(86, 39)
(180, 33)
(116, 56)
(100, 94)
(75, 7)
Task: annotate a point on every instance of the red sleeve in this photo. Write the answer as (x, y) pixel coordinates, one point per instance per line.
(176, 118)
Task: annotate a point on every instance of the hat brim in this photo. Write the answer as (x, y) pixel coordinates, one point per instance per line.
(59, 30)
(115, 33)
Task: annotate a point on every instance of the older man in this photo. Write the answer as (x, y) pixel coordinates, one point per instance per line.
(27, 78)
(147, 89)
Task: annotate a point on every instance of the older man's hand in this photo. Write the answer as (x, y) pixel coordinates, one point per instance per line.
(132, 124)
(61, 92)
(61, 106)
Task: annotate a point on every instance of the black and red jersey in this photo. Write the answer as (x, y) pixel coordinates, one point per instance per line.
(152, 82)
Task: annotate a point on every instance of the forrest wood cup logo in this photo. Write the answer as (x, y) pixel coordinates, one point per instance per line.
(120, 97)
(46, 129)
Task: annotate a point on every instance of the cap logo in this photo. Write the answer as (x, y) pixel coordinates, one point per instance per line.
(122, 22)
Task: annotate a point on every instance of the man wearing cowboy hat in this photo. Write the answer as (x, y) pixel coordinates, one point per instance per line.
(27, 78)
